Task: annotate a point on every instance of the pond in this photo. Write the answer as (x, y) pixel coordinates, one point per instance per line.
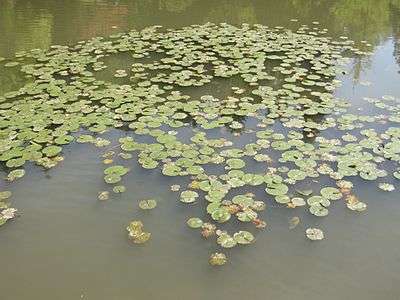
(248, 88)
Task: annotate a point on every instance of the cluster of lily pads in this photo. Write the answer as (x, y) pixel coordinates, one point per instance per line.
(6, 212)
(189, 99)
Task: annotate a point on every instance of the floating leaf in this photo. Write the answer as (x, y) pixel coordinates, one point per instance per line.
(247, 215)
(148, 204)
(305, 192)
(208, 230)
(226, 241)
(194, 223)
(331, 193)
(175, 187)
(119, 189)
(314, 234)
(354, 204)
(318, 210)
(8, 213)
(221, 215)
(51, 151)
(141, 237)
(112, 178)
(5, 195)
(243, 237)
(297, 201)
(104, 195)
(136, 232)
(243, 200)
(15, 174)
(217, 259)
(189, 196)
(386, 187)
(276, 189)
(235, 163)
(116, 170)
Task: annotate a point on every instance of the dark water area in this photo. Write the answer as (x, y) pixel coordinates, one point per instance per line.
(68, 245)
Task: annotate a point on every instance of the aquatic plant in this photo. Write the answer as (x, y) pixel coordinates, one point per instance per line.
(281, 103)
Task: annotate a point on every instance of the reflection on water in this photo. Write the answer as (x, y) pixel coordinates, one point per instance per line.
(67, 245)
(395, 20)
(26, 24)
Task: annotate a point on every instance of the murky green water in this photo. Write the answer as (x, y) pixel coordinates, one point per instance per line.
(68, 245)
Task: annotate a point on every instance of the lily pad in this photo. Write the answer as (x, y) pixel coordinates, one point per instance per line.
(276, 189)
(217, 259)
(51, 151)
(243, 237)
(387, 187)
(15, 174)
(103, 196)
(5, 195)
(189, 196)
(147, 204)
(221, 215)
(119, 189)
(226, 241)
(194, 223)
(116, 170)
(331, 193)
(315, 234)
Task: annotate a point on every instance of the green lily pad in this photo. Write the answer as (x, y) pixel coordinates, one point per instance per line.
(119, 189)
(235, 163)
(283, 199)
(226, 241)
(141, 237)
(15, 162)
(103, 196)
(147, 204)
(5, 195)
(243, 200)
(189, 196)
(217, 259)
(220, 215)
(112, 178)
(276, 189)
(194, 223)
(318, 210)
(247, 215)
(51, 151)
(387, 187)
(15, 174)
(304, 192)
(314, 234)
(116, 170)
(331, 193)
(243, 237)
(298, 201)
